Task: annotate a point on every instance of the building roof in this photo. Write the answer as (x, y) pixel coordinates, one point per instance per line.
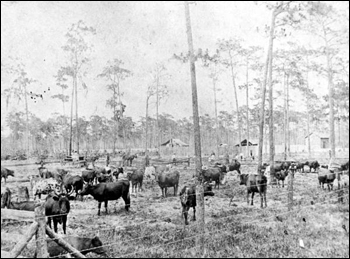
(318, 134)
(175, 142)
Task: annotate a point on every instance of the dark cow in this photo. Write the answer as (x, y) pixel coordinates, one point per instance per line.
(300, 166)
(222, 167)
(104, 178)
(73, 183)
(57, 207)
(83, 244)
(313, 165)
(23, 205)
(136, 179)
(281, 176)
(88, 176)
(6, 172)
(326, 176)
(167, 179)
(234, 166)
(188, 199)
(127, 159)
(255, 183)
(105, 192)
(213, 174)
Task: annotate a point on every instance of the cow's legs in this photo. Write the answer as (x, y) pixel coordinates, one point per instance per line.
(282, 183)
(55, 224)
(194, 213)
(261, 200)
(99, 208)
(185, 214)
(126, 198)
(64, 222)
(247, 197)
(106, 205)
(265, 198)
(252, 197)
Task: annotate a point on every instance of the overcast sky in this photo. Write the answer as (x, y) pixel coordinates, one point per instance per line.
(139, 33)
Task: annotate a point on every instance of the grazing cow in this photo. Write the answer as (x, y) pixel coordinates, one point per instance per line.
(6, 172)
(313, 165)
(73, 183)
(127, 159)
(136, 179)
(255, 183)
(213, 174)
(57, 207)
(45, 173)
(104, 192)
(167, 179)
(281, 176)
(104, 178)
(235, 165)
(88, 176)
(300, 166)
(23, 205)
(23, 193)
(326, 176)
(44, 186)
(188, 199)
(83, 244)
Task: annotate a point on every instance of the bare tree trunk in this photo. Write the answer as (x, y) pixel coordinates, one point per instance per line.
(262, 109)
(27, 120)
(247, 96)
(288, 129)
(146, 144)
(308, 108)
(197, 136)
(216, 118)
(76, 110)
(330, 101)
(285, 116)
(237, 108)
(71, 122)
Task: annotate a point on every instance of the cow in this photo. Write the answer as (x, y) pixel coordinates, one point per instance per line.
(188, 199)
(326, 176)
(57, 207)
(213, 174)
(300, 166)
(235, 165)
(44, 186)
(88, 176)
(6, 172)
(105, 178)
(281, 176)
(104, 192)
(45, 173)
(313, 165)
(222, 167)
(23, 193)
(73, 183)
(136, 179)
(84, 245)
(127, 159)
(167, 179)
(23, 205)
(255, 183)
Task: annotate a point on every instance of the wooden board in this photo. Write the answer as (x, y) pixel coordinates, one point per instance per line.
(20, 215)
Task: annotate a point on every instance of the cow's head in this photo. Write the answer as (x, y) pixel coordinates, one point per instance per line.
(243, 179)
(87, 188)
(97, 246)
(208, 189)
(10, 172)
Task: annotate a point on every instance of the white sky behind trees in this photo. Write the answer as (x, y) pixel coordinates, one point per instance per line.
(138, 33)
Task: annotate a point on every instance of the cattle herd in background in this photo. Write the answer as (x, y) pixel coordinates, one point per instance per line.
(112, 183)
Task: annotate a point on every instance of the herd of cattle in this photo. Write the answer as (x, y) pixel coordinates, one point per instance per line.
(111, 183)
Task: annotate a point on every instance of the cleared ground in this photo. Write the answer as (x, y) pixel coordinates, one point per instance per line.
(317, 226)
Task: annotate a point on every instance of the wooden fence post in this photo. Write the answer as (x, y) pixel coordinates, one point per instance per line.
(24, 241)
(41, 245)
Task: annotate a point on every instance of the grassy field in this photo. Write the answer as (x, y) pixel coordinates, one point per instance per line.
(154, 227)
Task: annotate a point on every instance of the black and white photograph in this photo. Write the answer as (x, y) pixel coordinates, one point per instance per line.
(182, 129)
